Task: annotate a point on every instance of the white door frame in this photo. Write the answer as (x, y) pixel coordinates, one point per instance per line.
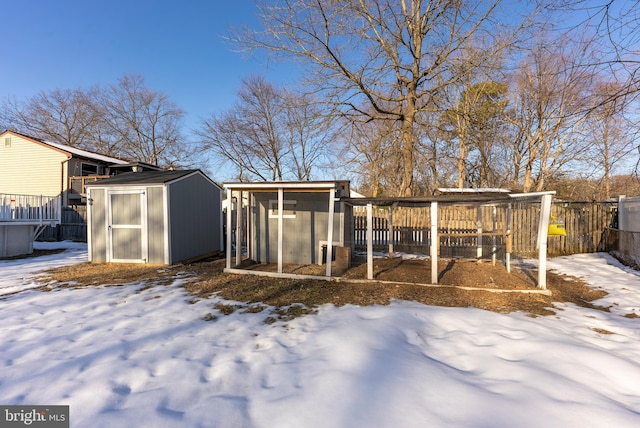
(144, 251)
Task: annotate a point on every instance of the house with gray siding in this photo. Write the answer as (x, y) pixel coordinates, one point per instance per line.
(159, 217)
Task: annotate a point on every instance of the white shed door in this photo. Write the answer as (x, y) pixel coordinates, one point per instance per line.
(127, 228)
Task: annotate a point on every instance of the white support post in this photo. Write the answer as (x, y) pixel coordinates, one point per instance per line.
(280, 226)
(248, 226)
(369, 241)
(435, 242)
(493, 241)
(543, 230)
(479, 225)
(508, 240)
(390, 230)
(229, 231)
(332, 193)
(239, 227)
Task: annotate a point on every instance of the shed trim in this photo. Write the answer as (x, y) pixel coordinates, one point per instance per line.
(166, 215)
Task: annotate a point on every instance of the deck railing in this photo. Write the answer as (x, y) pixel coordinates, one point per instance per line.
(77, 184)
(29, 208)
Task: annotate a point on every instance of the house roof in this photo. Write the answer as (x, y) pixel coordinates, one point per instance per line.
(70, 150)
(146, 178)
(84, 153)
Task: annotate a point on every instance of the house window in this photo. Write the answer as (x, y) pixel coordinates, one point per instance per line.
(89, 169)
(289, 208)
(7, 142)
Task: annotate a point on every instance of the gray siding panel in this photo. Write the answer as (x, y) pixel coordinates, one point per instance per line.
(302, 234)
(194, 220)
(155, 224)
(98, 226)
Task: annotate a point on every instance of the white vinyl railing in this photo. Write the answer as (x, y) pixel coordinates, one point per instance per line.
(30, 208)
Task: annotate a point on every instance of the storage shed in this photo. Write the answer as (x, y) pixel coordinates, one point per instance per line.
(160, 217)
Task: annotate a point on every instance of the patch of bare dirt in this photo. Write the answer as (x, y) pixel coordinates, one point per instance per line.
(294, 297)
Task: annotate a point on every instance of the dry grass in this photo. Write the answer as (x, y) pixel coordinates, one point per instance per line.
(91, 274)
(284, 299)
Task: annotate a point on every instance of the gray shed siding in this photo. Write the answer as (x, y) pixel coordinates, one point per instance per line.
(155, 224)
(302, 234)
(194, 218)
(98, 231)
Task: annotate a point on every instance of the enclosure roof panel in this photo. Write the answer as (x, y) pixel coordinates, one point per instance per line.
(275, 185)
(462, 198)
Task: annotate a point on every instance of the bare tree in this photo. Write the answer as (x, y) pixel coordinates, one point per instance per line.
(474, 121)
(383, 59)
(309, 133)
(62, 115)
(145, 124)
(126, 120)
(609, 133)
(615, 28)
(374, 156)
(248, 135)
(270, 134)
(550, 97)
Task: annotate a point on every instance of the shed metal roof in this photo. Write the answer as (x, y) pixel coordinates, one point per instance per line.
(144, 177)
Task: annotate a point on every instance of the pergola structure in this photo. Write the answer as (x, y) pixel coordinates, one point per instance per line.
(447, 197)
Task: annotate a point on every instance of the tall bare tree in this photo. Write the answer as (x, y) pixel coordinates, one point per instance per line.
(615, 28)
(610, 132)
(383, 59)
(270, 134)
(126, 120)
(550, 99)
(474, 121)
(145, 124)
(66, 116)
(374, 157)
(309, 133)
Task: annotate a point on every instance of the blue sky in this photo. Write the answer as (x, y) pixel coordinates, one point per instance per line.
(176, 45)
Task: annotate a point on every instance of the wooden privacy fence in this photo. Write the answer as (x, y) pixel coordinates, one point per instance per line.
(585, 224)
(469, 232)
(72, 227)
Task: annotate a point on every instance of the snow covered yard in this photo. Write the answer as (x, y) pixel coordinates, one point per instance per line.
(137, 356)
